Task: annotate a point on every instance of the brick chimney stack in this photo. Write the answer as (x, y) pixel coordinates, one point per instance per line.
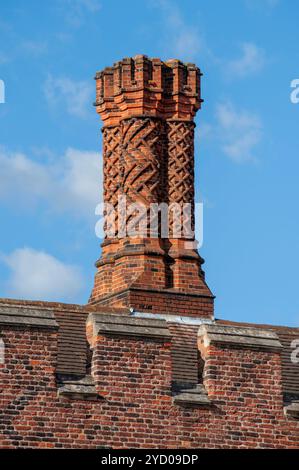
(147, 107)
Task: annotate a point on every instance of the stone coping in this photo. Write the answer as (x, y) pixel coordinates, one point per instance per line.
(125, 325)
(240, 337)
(292, 410)
(192, 396)
(17, 315)
(78, 388)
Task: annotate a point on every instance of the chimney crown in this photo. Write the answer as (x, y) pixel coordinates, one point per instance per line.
(141, 86)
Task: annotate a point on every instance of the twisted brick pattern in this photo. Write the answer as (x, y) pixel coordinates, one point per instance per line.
(111, 157)
(142, 156)
(180, 138)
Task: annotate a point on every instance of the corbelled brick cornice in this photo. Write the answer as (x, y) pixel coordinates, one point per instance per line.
(142, 86)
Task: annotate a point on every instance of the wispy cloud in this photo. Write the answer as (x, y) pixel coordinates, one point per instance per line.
(20, 48)
(68, 184)
(72, 96)
(239, 131)
(34, 48)
(261, 3)
(179, 38)
(38, 275)
(76, 10)
(251, 61)
(3, 58)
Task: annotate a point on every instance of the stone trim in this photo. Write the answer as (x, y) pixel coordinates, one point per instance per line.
(122, 325)
(292, 410)
(11, 315)
(192, 396)
(240, 337)
(77, 388)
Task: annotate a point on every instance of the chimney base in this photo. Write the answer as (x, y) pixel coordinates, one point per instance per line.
(160, 301)
(148, 276)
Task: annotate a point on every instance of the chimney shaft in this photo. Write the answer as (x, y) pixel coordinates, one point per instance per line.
(147, 107)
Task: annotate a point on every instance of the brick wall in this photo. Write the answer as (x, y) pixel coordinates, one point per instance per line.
(162, 302)
(134, 377)
(135, 406)
(27, 386)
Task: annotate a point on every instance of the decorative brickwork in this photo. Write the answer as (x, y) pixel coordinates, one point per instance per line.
(112, 172)
(148, 107)
(180, 138)
(142, 159)
(141, 155)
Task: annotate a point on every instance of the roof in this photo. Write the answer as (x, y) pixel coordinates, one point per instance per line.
(184, 353)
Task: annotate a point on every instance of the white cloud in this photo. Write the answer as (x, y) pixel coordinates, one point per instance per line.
(251, 61)
(239, 131)
(71, 183)
(82, 179)
(74, 97)
(37, 275)
(183, 40)
(22, 177)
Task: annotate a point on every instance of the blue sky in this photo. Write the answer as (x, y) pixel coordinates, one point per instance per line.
(246, 142)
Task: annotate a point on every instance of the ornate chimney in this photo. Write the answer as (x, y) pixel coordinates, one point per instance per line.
(147, 107)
